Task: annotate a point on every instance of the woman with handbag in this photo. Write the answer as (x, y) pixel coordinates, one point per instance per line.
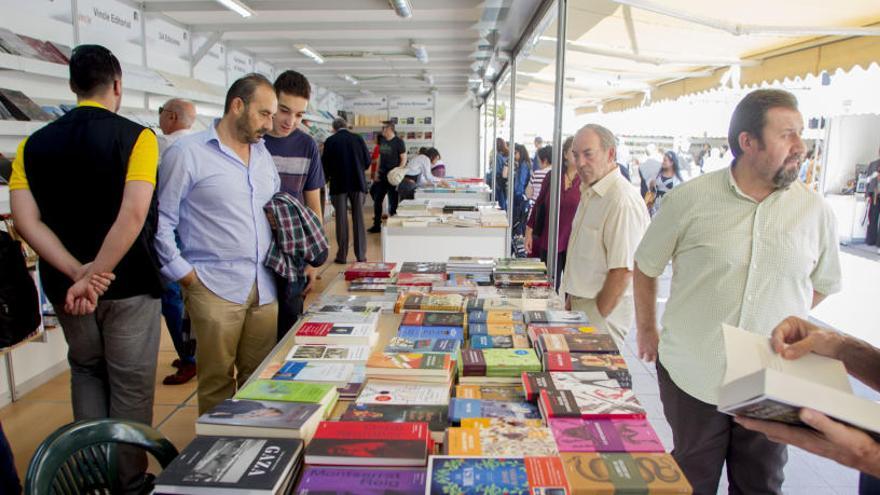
(537, 236)
(667, 178)
(418, 173)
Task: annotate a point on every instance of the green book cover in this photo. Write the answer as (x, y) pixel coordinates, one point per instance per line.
(287, 391)
(510, 362)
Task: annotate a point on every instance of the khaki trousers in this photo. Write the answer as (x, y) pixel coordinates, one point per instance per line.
(233, 340)
(617, 323)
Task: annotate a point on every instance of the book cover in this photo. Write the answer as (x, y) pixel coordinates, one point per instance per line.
(499, 439)
(496, 475)
(303, 371)
(276, 390)
(430, 301)
(495, 316)
(338, 333)
(252, 465)
(583, 342)
(473, 408)
(487, 422)
(406, 394)
(337, 353)
(533, 383)
(410, 363)
(367, 318)
(499, 342)
(263, 413)
(592, 402)
(605, 435)
(498, 362)
(44, 50)
(321, 480)
(356, 443)
(420, 279)
(441, 346)
(437, 417)
(613, 364)
(536, 330)
(419, 333)
(21, 107)
(423, 267)
(432, 319)
(363, 269)
(490, 392)
(648, 473)
(494, 329)
(556, 317)
(370, 287)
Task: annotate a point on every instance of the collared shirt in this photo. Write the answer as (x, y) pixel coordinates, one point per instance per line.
(298, 237)
(215, 202)
(166, 140)
(734, 261)
(608, 225)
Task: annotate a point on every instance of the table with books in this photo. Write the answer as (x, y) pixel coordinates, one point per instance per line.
(464, 376)
(428, 230)
(458, 189)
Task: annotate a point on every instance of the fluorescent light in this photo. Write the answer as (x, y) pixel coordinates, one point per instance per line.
(420, 52)
(349, 78)
(310, 52)
(401, 7)
(237, 6)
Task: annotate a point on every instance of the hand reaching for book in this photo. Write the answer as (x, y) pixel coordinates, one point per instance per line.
(795, 337)
(827, 438)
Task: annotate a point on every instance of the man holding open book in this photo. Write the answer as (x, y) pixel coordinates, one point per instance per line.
(749, 247)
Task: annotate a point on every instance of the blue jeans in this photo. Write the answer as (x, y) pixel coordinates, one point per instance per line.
(178, 324)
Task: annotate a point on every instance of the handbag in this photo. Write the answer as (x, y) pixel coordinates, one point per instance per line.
(396, 175)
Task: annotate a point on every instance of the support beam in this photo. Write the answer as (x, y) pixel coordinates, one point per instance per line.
(304, 5)
(213, 38)
(336, 26)
(630, 29)
(556, 178)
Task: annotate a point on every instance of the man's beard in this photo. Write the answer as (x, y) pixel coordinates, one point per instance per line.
(785, 176)
(245, 132)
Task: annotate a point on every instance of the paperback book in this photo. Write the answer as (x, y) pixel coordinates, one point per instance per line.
(473, 408)
(648, 473)
(335, 333)
(276, 390)
(410, 366)
(495, 329)
(404, 394)
(496, 475)
(605, 435)
(260, 418)
(420, 279)
(535, 331)
(365, 318)
(357, 443)
(499, 342)
(437, 346)
(210, 465)
(607, 401)
(495, 316)
(337, 374)
(490, 392)
(364, 269)
(497, 363)
(420, 333)
(556, 317)
(437, 417)
(612, 364)
(330, 353)
(500, 439)
(533, 383)
(423, 267)
(594, 343)
(409, 301)
(432, 319)
(328, 480)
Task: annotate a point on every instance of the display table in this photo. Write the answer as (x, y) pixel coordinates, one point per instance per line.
(438, 243)
(454, 196)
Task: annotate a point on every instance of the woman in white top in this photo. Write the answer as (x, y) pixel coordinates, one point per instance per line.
(418, 173)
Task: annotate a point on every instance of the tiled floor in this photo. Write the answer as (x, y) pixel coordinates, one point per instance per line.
(28, 421)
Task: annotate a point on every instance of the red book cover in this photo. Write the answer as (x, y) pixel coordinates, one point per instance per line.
(355, 443)
(413, 318)
(310, 329)
(369, 269)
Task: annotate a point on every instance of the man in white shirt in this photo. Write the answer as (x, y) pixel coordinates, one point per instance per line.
(749, 246)
(608, 225)
(176, 118)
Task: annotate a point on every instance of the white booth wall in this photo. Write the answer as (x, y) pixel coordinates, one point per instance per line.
(457, 135)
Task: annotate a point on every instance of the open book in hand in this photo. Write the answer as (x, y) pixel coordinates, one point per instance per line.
(761, 384)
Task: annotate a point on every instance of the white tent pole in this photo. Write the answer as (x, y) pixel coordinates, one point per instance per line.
(556, 177)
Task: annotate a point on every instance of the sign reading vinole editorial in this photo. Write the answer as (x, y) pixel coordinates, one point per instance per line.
(113, 24)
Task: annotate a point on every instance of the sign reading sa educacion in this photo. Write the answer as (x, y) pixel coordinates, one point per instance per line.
(167, 46)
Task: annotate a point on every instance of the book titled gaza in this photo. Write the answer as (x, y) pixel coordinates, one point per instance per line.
(501, 475)
(321, 480)
(605, 435)
(335, 333)
(344, 443)
(210, 465)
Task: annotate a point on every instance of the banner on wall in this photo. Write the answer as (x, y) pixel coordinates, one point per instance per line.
(266, 69)
(240, 65)
(167, 46)
(212, 67)
(112, 23)
(371, 104)
(424, 102)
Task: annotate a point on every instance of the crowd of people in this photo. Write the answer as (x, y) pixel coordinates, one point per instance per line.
(233, 216)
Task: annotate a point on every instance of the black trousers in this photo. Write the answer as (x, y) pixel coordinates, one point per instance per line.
(340, 202)
(873, 214)
(560, 264)
(378, 191)
(706, 439)
(290, 303)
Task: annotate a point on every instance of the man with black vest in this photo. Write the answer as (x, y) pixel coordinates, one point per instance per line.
(82, 197)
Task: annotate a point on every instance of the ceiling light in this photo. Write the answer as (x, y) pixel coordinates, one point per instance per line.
(348, 78)
(237, 6)
(310, 52)
(420, 52)
(401, 7)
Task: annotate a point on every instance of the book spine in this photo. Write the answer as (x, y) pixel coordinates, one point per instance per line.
(559, 404)
(474, 363)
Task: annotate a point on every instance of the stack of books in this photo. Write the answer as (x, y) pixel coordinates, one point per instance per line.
(421, 274)
(363, 481)
(364, 269)
(377, 444)
(430, 301)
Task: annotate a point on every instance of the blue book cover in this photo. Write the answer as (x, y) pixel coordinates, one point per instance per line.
(481, 316)
(419, 333)
(440, 346)
(289, 370)
(476, 475)
(475, 408)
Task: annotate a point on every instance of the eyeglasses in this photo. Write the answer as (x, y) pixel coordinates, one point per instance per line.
(161, 109)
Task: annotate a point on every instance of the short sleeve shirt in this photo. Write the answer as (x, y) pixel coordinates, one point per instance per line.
(390, 151)
(734, 261)
(298, 162)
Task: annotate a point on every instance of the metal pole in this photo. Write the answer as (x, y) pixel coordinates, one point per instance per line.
(556, 176)
(511, 157)
(479, 159)
(494, 142)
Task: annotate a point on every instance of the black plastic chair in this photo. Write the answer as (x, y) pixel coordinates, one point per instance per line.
(80, 458)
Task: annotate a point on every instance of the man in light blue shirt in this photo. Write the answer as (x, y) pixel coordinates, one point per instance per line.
(212, 188)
